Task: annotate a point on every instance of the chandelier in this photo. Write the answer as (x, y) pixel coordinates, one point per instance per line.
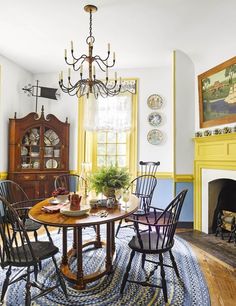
(89, 84)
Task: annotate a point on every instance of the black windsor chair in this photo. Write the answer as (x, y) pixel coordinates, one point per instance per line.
(71, 182)
(142, 187)
(16, 196)
(149, 167)
(157, 240)
(16, 250)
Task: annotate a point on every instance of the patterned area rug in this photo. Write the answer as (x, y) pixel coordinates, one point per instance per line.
(193, 291)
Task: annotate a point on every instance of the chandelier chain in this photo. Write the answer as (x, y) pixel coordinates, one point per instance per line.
(90, 24)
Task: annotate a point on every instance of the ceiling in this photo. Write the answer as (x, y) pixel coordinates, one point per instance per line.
(143, 33)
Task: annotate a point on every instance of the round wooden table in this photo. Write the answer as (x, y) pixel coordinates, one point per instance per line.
(78, 223)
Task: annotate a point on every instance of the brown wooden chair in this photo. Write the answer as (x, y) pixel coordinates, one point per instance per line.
(16, 250)
(142, 187)
(16, 196)
(156, 240)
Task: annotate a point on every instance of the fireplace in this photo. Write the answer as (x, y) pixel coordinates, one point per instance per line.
(213, 182)
(214, 166)
(222, 196)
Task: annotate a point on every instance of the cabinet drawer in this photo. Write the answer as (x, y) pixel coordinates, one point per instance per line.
(41, 177)
(26, 177)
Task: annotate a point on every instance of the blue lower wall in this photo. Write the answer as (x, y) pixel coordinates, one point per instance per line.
(163, 194)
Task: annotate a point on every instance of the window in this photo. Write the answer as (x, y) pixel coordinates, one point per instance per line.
(111, 149)
(106, 147)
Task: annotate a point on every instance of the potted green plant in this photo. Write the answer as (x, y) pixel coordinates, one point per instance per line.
(107, 179)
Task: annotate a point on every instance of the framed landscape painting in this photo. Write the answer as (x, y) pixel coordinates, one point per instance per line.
(217, 94)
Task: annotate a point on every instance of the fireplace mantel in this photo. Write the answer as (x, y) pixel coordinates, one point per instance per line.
(211, 152)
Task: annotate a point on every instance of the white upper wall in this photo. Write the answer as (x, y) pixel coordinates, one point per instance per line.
(151, 81)
(66, 106)
(184, 114)
(12, 99)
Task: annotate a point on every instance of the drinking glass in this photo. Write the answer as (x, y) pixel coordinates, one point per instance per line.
(125, 197)
(118, 194)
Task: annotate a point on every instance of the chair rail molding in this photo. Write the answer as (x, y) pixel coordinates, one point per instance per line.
(3, 175)
(211, 152)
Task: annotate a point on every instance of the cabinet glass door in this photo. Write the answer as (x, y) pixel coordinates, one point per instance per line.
(30, 149)
(51, 150)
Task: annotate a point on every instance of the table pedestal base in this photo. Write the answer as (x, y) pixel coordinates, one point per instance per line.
(78, 278)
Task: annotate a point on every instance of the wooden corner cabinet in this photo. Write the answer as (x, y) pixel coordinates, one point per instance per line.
(38, 152)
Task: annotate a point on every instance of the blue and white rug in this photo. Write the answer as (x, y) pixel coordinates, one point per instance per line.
(104, 292)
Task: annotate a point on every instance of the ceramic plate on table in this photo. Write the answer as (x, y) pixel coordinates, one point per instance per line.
(155, 101)
(54, 201)
(51, 163)
(155, 137)
(155, 119)
(66, 211)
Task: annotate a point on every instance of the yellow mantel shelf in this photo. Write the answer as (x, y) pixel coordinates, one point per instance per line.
(211, 152)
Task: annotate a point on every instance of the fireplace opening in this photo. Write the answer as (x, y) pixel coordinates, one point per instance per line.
(222, 196)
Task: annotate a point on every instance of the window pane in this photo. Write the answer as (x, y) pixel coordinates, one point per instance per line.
(111, 160)
(111, 149)
(121, 149)
(101, 149)
(101, 137)
(111, 137)
(101, 161)
(121, 137)
(121, 161)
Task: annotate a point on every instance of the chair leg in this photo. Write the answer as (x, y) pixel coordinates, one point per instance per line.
(118, 228)
(60, 278)
(127, 272)
(35, 236)
(163, 280)
(143, 260)
(27, 287)
(174, 263)
(6, 283)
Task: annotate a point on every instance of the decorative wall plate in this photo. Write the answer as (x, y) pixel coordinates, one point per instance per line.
(51, 138)
(155, 101)
(154, 119)
(155, 137)
(51, 163)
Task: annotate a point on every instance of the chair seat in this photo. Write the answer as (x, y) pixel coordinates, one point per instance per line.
(31, 225)
(149, 241)
(42, 249)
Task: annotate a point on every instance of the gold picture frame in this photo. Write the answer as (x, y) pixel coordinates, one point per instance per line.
(217, 94)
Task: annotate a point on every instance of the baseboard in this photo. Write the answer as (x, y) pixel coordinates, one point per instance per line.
(184, 224)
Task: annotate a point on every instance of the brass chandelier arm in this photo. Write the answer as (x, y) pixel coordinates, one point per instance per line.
(90, 85)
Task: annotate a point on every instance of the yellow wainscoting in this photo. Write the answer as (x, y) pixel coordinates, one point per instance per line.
(3, 175)
(211, 152)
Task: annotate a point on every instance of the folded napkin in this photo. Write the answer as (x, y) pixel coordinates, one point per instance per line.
(52, 208)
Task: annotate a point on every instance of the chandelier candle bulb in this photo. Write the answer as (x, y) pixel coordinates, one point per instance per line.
(114, 56)
(65, 53)
(71, 46)
(69, 72)
(115, 76)
(94, 71)
(108, 47)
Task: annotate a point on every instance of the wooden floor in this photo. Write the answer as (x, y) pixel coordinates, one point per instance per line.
(220, 276)
(220, 279)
